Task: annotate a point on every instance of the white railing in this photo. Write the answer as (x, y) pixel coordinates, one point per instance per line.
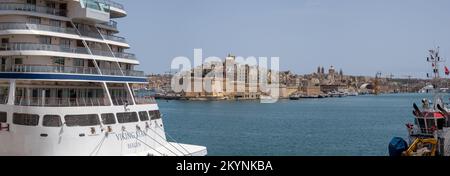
(118, 101)
(134, 73)
(125, 55)
(96, 34)
(145, 100)
(53, 69)
(111, 24)
(117, 72)
(115, 38)
(28, 26)
(25, 68)
(60, 102)
(41, 47)
(112, 4)
(32, 8)
(60, 48)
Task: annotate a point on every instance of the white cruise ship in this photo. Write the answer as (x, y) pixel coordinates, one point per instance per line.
(67, 85)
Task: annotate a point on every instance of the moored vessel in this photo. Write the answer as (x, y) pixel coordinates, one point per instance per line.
(67, 84)
(429, 135)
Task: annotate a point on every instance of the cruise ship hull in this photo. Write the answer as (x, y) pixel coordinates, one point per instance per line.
(68, 88)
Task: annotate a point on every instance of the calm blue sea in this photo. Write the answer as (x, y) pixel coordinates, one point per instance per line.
(350, 126)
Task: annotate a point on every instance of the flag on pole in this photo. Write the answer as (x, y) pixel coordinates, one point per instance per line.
(447, 71)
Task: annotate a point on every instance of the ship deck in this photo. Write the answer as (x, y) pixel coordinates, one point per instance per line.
(175, 149)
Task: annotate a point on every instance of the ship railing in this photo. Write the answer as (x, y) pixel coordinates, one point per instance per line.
(117, 72)
(115, 38)
(111, 24)
(97, 35)
(125, 55)
(94, 4)
(145, 100)
(33, 8)
(62, 48)
(88, 33)
(30, 68)
(53, 69)
(134, 73)
(41, 47)
(117, 101)
(60, 102)
(28, 26)
(101, 53)
(112, 4)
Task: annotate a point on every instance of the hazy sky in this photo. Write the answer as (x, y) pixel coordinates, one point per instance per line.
(359, 36)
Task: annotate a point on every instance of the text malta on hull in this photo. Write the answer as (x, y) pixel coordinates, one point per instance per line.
(68, 88)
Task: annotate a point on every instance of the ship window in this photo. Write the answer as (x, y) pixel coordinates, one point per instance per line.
(18, 61)
(64, 43)
(59, 61)
(52, 121)
(82, 120)
(55, 23)
(78, 62)
(32, 2)
(108, 119)
(154, 115)
(3, 116)
(127, 117)
(143, 116)
(431, 123)
(34, 20)
(26, 119)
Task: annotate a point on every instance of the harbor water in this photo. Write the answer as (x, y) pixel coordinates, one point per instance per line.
(349, 126)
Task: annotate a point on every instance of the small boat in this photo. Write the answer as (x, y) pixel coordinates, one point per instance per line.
(294, 97)
(336, 94)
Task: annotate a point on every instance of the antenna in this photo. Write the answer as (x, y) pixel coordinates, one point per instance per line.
(435, 61)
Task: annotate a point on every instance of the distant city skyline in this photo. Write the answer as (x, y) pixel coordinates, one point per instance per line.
(361, 37)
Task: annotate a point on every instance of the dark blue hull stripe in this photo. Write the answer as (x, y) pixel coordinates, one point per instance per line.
(70, 77)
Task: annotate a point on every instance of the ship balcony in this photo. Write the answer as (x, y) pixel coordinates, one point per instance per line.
(117, 72)
(23, 68)
(39, 27)
(32, 8)
(145, 100)
(111, 25)
(113, 4)
(77, 102)
(90, 10)
(97, 35)
(115, 38)
(117, 9)
(60, 102)
(64, 49)
(71, 31)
